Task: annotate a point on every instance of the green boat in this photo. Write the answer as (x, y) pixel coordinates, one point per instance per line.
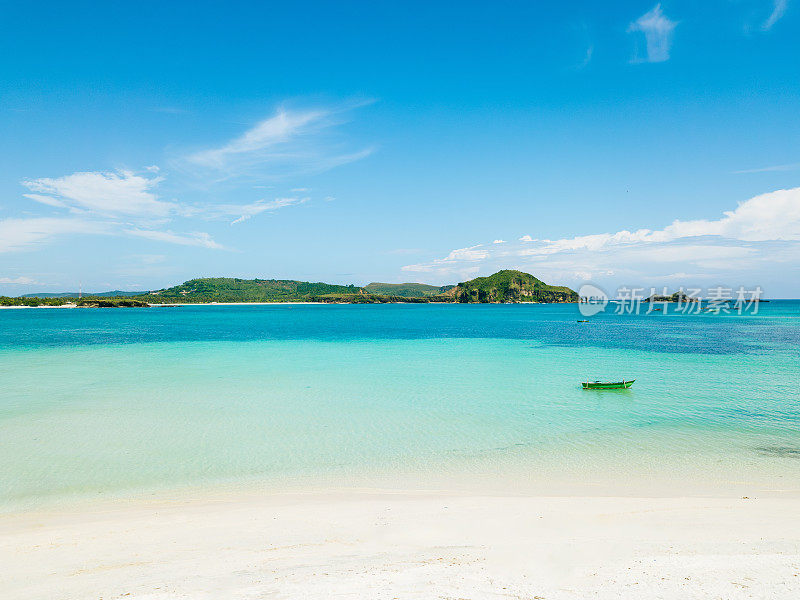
(607, 385)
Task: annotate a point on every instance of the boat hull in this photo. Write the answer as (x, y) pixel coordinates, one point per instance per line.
(610, 385)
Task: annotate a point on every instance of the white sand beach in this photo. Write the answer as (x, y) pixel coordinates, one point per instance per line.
(385, 545)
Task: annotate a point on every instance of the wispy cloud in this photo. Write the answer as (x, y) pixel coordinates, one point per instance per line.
(746, 236)
(241, 212)
(120, 203)
(265, 135)
(19, 281)
(772, 216)
(778, 10)
(457, 262)
(130, 203)
(246, 211)
(773, 168)
(587, 58)
(584, 39)
(657, 30)
(289, 142)
(197, 238)
(25, 234)
(110, 194)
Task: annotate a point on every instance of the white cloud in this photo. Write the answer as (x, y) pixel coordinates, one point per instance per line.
(772, 216)
(19, 281)
(242, 212)
(587, 58)
(770, 169)
(245, 211)
(437, 270)
(127, 203)
(758, 232)
(695, 253)
(453, 263)
(288, 143)
(472, 253)
(29, 234)
(499, 242)
(110, 194)
(280, 128)
(100, 200)
(657, 30)
(778, 10)
(22, 234)
(197, 238)
(41, 199)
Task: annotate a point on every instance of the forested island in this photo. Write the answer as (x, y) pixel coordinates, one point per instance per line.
(676, 297)
(502, 287)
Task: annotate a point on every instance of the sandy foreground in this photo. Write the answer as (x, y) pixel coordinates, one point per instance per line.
(396, 545)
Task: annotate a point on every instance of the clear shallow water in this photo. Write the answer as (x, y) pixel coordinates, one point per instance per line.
(117, 401)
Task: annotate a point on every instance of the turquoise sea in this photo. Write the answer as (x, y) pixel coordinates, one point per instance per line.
(98, 403)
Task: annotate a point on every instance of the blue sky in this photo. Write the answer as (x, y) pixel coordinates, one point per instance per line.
(625, 143)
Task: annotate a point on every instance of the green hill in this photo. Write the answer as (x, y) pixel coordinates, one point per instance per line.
(503, 286)
(510, 286)
(406, 290)
(363, 298)
(224, 289)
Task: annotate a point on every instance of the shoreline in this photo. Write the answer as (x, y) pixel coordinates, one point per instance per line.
(705, 475)
(290, 303)
(409, 544)
(18, 306)
(231, 304)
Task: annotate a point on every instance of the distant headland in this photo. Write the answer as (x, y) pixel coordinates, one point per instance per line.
(507, 286)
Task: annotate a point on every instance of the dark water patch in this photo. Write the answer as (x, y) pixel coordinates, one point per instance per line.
(779, 451)
(541, 325)
(775, 415)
